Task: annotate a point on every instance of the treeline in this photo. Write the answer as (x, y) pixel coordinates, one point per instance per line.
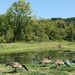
(17, 24)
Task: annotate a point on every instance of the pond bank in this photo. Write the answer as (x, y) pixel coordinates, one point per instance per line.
(34, 57)
(37, 46)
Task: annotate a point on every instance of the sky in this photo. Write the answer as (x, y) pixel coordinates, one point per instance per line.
(45, 8)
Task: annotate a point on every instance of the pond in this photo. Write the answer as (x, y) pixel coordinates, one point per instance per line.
(34, 57)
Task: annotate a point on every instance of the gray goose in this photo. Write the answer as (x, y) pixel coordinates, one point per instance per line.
(15, 65)
(59, 62)
(45, 61)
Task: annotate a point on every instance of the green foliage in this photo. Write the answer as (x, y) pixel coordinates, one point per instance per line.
(18, 16)
(2, 39)
(70, 33)
(9, 35)
(27, 28)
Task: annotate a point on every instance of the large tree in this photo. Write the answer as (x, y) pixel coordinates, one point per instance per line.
(18, 16)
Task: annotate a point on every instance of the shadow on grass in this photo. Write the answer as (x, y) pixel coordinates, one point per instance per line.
(53, 67)
(14, 72)
(39, 66)
(42, 66)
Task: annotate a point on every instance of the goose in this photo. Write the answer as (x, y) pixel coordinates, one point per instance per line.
(59, 62)
(73, 61)
(15, 65)
(45, 61)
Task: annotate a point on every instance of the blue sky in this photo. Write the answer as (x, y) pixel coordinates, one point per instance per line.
(46, 8)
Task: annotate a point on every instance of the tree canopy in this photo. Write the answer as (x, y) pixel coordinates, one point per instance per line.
(17, 24)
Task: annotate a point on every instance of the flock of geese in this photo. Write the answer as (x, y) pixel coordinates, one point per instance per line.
(45, 61)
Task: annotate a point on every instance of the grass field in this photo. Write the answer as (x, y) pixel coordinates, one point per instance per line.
(39, 70)
(23, 47)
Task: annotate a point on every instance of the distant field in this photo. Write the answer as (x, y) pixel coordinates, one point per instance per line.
(24, 47)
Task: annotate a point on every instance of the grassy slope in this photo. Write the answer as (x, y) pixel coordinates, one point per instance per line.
(23, 47)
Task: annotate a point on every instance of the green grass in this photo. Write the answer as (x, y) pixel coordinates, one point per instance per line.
(38, 70)
(37, 46)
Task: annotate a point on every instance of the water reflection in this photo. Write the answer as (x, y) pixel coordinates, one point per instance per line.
(35, 56)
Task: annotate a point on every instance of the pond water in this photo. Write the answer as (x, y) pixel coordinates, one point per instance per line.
(34, 57)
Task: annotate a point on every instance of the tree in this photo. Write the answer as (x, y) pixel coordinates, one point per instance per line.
(3, 24)
(18, 15)
(70, 33)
